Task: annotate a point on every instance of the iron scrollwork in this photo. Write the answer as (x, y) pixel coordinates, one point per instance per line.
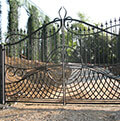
(76, 69)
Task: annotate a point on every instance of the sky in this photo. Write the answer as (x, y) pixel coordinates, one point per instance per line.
(98, 11)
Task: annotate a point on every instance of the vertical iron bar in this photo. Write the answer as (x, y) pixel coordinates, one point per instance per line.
(85, 48)
(118, 48)
(51, 43)
(98, 49)
(102, 41)
(39, 51)
(63, 64)
(2, 74)
(114, 45)
(107, 47)
(111, 44)
(0, 23)
(94, 47)
(89, 51)
(43, 44)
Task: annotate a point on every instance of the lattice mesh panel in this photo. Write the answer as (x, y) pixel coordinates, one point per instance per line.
(82, 84)
(35, 85)
(92, 85)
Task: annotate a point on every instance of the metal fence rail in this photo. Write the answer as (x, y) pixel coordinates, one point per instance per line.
(65, 61)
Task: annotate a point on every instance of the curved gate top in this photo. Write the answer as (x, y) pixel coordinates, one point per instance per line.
(65, 61)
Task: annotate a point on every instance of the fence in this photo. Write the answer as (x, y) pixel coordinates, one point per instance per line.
(64, 61)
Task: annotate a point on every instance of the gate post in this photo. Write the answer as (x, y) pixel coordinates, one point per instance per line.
(63, 63)
(2, 74)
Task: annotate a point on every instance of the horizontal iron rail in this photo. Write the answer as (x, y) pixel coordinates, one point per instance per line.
(9, 44)
(96, 27)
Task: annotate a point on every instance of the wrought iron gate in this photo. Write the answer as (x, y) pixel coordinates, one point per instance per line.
(65, 61)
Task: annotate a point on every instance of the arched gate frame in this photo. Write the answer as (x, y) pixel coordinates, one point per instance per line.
(64, 61)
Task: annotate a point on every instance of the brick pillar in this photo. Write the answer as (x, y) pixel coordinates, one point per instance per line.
(2, 75)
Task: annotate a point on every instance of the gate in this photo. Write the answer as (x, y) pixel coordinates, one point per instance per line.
(64, 61)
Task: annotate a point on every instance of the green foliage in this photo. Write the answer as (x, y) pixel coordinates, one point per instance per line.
(13, 16)
(92, 47)
(33, 20)
(13, 23)
(83, 17)
(32, 25)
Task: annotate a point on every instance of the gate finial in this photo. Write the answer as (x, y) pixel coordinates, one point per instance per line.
(62, 15)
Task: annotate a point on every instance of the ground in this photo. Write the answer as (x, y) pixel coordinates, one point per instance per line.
(58, 112)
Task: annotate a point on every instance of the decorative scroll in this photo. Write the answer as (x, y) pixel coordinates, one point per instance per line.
(63, 61)
(82, 83)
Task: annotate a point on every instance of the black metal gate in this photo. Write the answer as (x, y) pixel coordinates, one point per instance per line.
(64, 61)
